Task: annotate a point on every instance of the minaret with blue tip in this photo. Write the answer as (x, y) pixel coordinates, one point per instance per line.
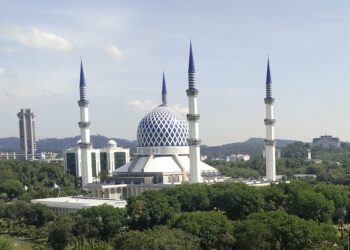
(270, 142)
(84, 125)
(164, 92)
(193, 120)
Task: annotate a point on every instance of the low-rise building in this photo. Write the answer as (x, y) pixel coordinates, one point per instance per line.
(106, 159)
(238, 157)
(71, 204)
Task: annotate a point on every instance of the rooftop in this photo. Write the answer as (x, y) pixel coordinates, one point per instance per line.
(72, 202)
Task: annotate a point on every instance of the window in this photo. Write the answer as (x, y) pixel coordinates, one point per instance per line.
(119, 159)
(103, 160)
(71, 166)
(93, 164)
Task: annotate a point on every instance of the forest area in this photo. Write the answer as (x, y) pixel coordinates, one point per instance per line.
(309, 213)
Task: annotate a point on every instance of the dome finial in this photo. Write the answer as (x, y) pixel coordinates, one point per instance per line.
(164, 92)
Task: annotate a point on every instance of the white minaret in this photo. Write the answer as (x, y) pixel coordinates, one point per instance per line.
(309, 158)
(193, 118)
(84, 125)
(270, 142)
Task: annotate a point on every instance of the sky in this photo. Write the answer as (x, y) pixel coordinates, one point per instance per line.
(126, 45)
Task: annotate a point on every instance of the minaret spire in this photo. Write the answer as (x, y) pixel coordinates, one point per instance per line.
(164, 92)
(193, 120)
(82, 84)
(268, 81)
(191, 68)
(270, 142)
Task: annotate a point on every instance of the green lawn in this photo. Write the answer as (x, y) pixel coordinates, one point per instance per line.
(18, 243)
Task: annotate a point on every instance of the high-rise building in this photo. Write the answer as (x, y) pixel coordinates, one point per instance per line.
(27, 133)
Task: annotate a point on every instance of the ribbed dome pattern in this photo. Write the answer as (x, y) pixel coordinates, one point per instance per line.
(162, 127)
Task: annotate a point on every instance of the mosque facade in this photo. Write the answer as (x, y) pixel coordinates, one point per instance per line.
(168, 149)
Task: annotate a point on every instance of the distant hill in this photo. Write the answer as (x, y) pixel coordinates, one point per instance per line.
(252, 146)
(98, 141)
(9, 144)
(57, 145)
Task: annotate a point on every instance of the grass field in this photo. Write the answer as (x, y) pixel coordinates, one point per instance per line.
(18, 243)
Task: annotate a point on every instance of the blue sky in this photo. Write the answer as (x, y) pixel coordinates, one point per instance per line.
(126, 44)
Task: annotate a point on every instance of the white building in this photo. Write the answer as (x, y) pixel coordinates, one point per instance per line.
(309, 157)
(8, 155)
(238, 157)
(106, 159)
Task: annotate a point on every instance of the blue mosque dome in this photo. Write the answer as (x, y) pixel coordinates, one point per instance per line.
(162, 127)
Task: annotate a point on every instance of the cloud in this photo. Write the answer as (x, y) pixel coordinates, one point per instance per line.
(3, 71)
(139, 105)
(36, 38)
(7, 73)
(114, 51)
(147, 105)
(8, 93)
(48, 93)
(8, 49)
(180, 109)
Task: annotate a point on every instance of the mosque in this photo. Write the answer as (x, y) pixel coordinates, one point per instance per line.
(168, 151)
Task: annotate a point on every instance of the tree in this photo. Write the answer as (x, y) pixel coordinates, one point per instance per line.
(102, 222)
(40, 215)
(151, 208)
(278, 230)
(236, 199)
(13, 188)
(18, 211)
(311, 205)
(296, 150)
(156, 239)
(89, 245)
(250, 234)
(192, 197)
(3, 197)
(213, 228)
(274, 197)
(338, 194)
(5, 244)
(237, 169)
(60, 232)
